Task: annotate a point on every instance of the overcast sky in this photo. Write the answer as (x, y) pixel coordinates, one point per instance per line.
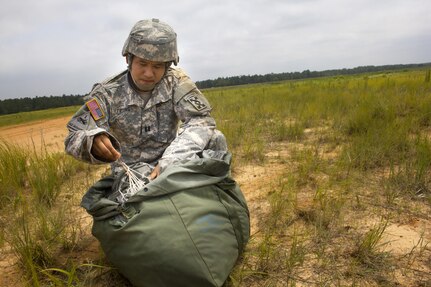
(53, 47)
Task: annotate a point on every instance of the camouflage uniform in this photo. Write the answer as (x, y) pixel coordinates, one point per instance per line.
(147, 131)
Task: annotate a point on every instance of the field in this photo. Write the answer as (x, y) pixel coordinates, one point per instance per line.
(38, 135)
(336, 172)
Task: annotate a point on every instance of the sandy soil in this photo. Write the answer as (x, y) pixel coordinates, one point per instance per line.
(253, 179)
(47, 134)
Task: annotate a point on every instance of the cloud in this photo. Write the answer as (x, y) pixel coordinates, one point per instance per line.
(55, 47)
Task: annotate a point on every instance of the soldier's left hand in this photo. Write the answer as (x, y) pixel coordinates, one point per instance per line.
(155, 173)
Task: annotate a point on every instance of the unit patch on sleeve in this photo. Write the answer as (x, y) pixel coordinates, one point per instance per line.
(196, 102)
(95, 109)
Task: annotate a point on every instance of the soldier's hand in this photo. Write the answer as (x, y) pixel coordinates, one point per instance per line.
(103, 149)
(155, 173)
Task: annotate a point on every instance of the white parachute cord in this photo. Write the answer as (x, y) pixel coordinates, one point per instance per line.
(135, 182)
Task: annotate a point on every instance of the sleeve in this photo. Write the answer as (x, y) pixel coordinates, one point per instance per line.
(90, 120)
(197, 127)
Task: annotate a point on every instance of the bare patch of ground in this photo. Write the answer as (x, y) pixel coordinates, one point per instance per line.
(39, 135)
(255, 182)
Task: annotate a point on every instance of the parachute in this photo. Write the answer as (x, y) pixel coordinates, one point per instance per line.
(187, 227)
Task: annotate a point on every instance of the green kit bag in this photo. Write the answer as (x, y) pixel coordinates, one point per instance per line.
(185, 228)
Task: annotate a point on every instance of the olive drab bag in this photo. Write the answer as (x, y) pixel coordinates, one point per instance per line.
(185, 228)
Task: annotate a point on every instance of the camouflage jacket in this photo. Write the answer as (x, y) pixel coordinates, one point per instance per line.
(145, 131)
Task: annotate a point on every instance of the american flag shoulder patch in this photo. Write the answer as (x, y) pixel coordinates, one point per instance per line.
(95, 109)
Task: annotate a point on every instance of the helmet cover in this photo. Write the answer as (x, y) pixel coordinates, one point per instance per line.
(152, 40)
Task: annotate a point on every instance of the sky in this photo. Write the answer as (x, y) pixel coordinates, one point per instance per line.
(52, 47)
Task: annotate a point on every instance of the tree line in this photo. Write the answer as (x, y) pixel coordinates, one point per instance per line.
(10, 106)
(274, 77)
(27, 104)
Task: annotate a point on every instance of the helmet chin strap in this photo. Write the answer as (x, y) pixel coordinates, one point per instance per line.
(129, 74)
(129, 61)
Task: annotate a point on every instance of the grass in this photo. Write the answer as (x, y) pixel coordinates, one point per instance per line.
(13, 162)
(26, 117)
(352, 137)
(38, 173)
(366, 251)
(335, 156)
(37, 219)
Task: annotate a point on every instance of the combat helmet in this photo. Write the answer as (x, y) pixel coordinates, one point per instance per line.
(152, 40)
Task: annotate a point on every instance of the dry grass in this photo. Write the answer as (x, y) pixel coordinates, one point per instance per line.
(337, 176)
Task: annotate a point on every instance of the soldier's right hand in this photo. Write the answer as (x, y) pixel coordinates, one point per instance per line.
(103, 149)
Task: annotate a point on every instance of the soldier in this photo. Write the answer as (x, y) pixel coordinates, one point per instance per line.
(135, 115)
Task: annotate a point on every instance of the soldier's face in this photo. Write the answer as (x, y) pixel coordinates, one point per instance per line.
(146, 74)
